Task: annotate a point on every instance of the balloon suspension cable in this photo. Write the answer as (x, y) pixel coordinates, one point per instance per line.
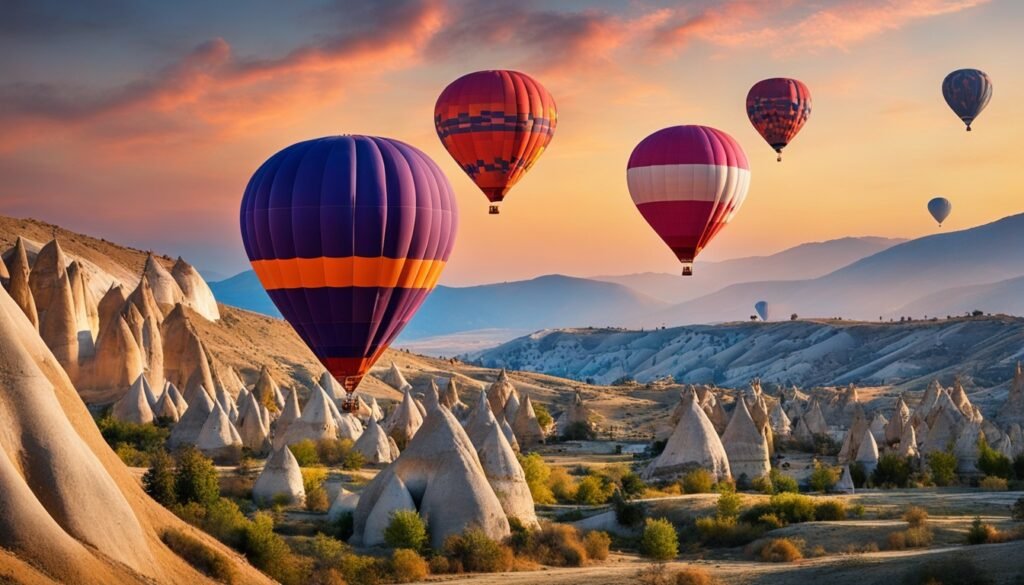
(493, 210)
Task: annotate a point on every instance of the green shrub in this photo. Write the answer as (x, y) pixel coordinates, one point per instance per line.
(782, 483)
(992, 462)
(408, 566)
(729, 505)
(306, 453)
(793, 508)
(858, 474)
(195, 478)
(557, 545)
(823, 478)
(597, 545)
(474, 551)
(131, 456)
(979, 532)
(660, 540)
(942, 465)
(726, 532)
(833, 510)
(893, 471)
(158, 480)
(780, 550)
(915, 516)
(593, 490)
(203, 558)
(406, 529)
(543, 416)
(225, 521)
(562, 485)
(630, 514)
(317, 500)
(268, 552)
(143, 437)
(763, 485)
(578, 431)
(698, 481)
(631, 485)
(537, 475)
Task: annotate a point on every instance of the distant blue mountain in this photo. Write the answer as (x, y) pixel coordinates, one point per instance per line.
(244, 291)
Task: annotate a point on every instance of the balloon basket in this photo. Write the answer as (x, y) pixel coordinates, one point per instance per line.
(493, 210)
(687, 269)
(349, 405)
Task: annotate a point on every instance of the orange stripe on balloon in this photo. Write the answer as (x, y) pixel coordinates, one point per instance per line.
(322, 272)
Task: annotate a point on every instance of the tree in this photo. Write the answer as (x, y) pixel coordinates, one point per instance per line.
(992, 462)
(943, 467)
(823, 477)
(729, 504)
(794, 317)
(892, 471)
(159, 478)
(660, 540)
(406, 529)
(195, 479)
(537, 474)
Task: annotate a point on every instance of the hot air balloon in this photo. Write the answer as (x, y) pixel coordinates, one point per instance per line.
(349, 235)
(762, 309)
(688, 182)
(778, 108)
(495, 124)
(940, 208)
(967, 92)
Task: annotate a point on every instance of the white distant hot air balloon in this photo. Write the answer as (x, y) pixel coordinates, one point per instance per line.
(762, 309)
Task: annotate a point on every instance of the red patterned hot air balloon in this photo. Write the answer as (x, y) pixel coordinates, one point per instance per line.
(778, 108)
(688, 182)
(495, 124)
(349, 235)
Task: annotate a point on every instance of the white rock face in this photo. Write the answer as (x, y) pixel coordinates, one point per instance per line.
(196, 293)
(693, 444)
(281, 479)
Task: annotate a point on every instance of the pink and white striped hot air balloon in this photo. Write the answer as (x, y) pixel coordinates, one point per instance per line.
(688, 182)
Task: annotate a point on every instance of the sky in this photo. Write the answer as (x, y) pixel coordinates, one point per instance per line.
(141, 122)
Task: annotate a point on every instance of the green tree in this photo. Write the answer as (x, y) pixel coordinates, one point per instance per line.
(992, 462)
(943, 467)
(660, 540)
(159, 478)
(195, 479)
(537, 474)
(729, 505)
(543, 416)
(406, 529)
(892, 471)
(823, 477)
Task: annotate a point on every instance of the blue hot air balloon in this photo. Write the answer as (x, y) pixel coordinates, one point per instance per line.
(967, 92)
(349, 235)
(940, 208)
(762, 309)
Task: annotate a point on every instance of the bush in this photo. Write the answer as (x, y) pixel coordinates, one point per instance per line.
(726, 532)
(979, 532)
(537, 475)
(729, 505)
(793, 508)
(943, 467)
(782, 483)
(408, 566)
(203, 558)
(562, 485)
(597, 545)
(693, 576)
(627, 513)
(146, 438)
(317, 500)
(1017, 510)
(557, 545)
(893, 471)
(578, 431)
(225, 521)
(406, 529)
(832, 510)
(543, 416)
(915, 516)
(594, 491)
(158, 480)
(858, 474)
(660, 540)
(306, 453)
(823, 477)
(914, 537)
(195, 479)
(958, 570)
(631, 485)
(698, 481)
(992, 483)
(992, 462)
(780, 550)
(474, 551)
(268, 552)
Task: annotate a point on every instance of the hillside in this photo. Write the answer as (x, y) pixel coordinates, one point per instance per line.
(805, 353)
(809, 260)
(879, 285)
(1005, 296)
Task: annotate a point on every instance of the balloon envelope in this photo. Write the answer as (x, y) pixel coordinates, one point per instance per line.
(495, 124)
(348, 234)
(762, 310)
(940, 207)
(688, 182)
(967, 91)
(778, 108)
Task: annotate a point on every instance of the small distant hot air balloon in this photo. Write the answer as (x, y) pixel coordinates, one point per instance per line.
(762, 309)
(967, 91)
(495, 124)
(778, 108)
(940, 207)
(349, 235)
(688, 182)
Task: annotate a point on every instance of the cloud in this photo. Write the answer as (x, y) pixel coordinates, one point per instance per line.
(788, 26)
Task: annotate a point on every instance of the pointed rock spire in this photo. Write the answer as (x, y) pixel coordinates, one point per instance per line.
(281, 479)
(58, 328)
(405, 421)
(45, 278)
(115, 366)
(219, 439)
(894, 429)
(395, 379)
(506, 476)
(693, 444)
(253, 430)
(111, 304)
(373, 444)
(315, 423)
(166, 409)
(908, 443)
(165, 289)
(745, 446)
(18, 285)
(143, 299)
(134, 407)
(526, 427)
(867, 452)
(845, 483)
(196, 293)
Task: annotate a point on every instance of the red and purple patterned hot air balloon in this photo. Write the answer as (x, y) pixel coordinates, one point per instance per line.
(495, 124)
(778, 108)
(349, 235)
(688, 182)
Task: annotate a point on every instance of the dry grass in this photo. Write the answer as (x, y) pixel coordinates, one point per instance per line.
(781, 550)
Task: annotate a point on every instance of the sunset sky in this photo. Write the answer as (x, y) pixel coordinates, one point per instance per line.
(141, 122)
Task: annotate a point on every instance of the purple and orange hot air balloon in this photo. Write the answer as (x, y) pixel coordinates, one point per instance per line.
(349, 235)
(495, 124)
(688, 182)
(778, 108)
